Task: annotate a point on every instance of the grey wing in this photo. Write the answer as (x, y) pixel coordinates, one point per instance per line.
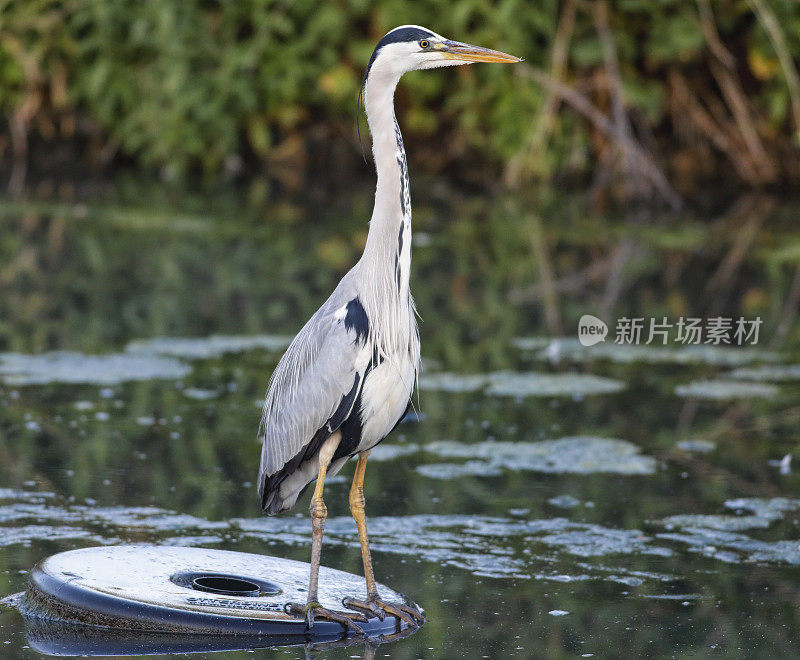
(314, 386)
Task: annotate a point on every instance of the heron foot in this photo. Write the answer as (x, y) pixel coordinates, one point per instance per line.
(314, 610)
(376, 606)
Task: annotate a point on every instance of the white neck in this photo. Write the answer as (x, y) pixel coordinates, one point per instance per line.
(389, 239)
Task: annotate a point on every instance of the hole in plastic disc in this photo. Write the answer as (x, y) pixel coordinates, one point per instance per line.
(223, 584)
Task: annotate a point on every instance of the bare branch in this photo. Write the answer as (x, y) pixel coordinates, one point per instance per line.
(600, 121)
(543, 122)
(709, 27)
(734, 96)
(688, 107)
(775, 33)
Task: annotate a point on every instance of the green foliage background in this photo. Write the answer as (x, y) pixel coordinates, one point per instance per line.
(206, 85)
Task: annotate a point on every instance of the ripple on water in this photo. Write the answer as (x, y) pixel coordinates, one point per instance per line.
(27, 534)
(448, 382)
(719, 536)
(78, 368)
(148, 359)
(482, 545)
(723, 390)
(696, 445)
(389, 451)
(575, 455)
(506, 383)
(447, 471)
(202, 348)
(113, 519)
(628, 576)
(763, 513)
(598, 541)
(25, 495)
(564, 501)
(149, 518)
(531, 343)
(199, 394)
(570, 349)
(776, 373)
(522, 384)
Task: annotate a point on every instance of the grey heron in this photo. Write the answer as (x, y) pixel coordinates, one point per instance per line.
(347, 377)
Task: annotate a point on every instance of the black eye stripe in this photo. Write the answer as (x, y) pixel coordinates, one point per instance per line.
(404, 34)
(401, 35)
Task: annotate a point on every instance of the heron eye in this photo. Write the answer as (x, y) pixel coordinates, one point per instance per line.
(424, 44)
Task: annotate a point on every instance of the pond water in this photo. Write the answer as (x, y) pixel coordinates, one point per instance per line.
(548, 499)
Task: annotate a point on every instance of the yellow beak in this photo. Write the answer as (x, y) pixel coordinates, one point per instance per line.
(458, 51)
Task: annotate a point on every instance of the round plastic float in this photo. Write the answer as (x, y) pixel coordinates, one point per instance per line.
(156, 589)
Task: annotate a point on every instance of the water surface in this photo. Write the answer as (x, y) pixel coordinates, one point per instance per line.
(548, 500)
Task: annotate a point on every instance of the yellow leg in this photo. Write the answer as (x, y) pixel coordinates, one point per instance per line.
(319, 513)
(373, 604)
(357, 503)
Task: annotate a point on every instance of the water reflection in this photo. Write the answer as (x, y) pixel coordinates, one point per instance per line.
(55, 638)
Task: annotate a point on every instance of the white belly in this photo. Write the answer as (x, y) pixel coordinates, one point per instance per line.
(387, 391)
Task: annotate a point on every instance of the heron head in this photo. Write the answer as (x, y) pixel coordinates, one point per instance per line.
(411, 47)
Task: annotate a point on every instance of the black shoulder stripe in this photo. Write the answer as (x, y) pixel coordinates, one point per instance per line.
(356, 319)
(345, 406)
(353, 426)
(401, 162)
(399, 249)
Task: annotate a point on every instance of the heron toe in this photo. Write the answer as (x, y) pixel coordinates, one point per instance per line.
(314, 610)
(380, 608)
